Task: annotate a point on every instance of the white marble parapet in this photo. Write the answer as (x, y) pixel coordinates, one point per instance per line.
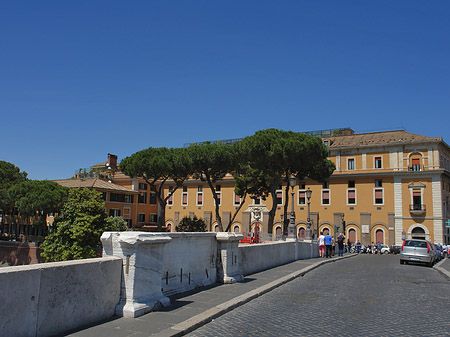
(142, 259)
(228, 256)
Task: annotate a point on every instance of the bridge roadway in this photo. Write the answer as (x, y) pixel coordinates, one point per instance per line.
(365, 295)
(369, 295)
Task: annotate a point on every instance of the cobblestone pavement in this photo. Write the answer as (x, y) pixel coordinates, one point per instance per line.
(366, 295)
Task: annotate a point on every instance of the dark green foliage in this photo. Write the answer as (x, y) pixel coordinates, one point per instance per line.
(274, 155)
(9, 176)
(156, 166)
(41, 196)
(116, 224)
(78, 227)
(191, 225)
(210, 163)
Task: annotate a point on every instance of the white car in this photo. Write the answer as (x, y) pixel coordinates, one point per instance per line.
(385, 249)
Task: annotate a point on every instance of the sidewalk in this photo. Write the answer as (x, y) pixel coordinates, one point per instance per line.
(444, 267)
(189, 311)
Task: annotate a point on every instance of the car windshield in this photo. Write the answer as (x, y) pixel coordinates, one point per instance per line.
(418, 244)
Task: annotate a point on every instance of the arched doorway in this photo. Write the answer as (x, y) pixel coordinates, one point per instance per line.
(418, 233)
(352, 235)
(278, 231)
(379, 236)
(216, 228)
(301, 233)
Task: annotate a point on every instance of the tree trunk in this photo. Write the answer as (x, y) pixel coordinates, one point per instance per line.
(286, 205)
(273, 210)
(213, 190)
(235, 213)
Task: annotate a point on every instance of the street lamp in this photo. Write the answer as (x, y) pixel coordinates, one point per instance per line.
(308, 220)
(292, 232)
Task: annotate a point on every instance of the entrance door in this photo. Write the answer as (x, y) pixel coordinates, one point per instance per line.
(352, 235)
(418, 233)
(379, 236)
(301, 233)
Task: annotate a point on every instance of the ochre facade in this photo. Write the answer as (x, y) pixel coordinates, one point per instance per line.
(387, 186)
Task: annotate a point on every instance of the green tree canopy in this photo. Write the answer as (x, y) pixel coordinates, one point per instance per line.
(156, 166)
(10, 175)
(78, 227)
(191, 225)
(41, 196)
(274, 155)
(210, 163)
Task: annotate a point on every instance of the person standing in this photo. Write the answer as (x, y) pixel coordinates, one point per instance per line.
(321, 242)
(379, 247)
(349, 245)
(328, 244)
(358, 247)
(340, 242)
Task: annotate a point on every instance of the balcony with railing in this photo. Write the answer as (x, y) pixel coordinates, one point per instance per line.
(417, 209)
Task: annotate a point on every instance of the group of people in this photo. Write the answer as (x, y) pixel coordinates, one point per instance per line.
(326, 243)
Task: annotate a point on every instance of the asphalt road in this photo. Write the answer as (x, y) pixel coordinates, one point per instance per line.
(366, 295)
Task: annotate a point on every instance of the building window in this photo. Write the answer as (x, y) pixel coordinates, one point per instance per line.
(142, 198)
(415, 164)
(126, 212)
(325, 197)
(237, 200)
(378, 163)
(153, 198)
(351, 197)
(325, 142)
(200, 188)
(142, 186)
(184, 196)
(378, 195)
(114, 212)
(301, 197)
(170, 200)
(104, 196)
(350, 163)
(378, 183)
(153, 188)
(417, 199)
(279, 196)
(199, 198)
(351, 184)
(121, 197)
(141, 217)
(302, 186)
(256, 200)
(153, 218)
(326, 185)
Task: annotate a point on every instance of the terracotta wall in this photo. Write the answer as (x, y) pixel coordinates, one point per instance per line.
(19, 253)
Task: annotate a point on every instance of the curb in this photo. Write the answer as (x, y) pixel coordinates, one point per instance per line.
(207, 316)
(444, 272)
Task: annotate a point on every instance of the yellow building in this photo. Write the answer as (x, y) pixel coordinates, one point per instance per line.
(387, 186)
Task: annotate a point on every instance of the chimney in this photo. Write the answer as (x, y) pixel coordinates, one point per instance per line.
(112, 161)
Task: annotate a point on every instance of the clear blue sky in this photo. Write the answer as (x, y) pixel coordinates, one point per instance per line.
(79, 79)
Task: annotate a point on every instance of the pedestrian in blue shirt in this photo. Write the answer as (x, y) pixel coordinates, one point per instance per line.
(328, 244)
(358, 247)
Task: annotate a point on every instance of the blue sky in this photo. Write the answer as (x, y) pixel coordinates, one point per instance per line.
(79, 79)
